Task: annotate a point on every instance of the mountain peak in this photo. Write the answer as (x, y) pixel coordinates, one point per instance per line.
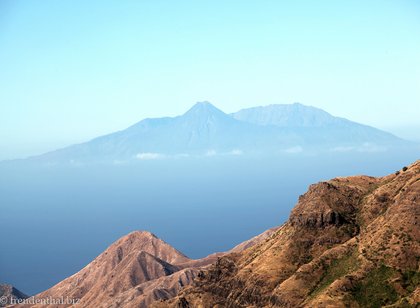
(141, 234)
(204, 104)
(204, 108)
(150, 243)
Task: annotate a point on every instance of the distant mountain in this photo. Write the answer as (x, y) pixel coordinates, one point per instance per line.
(206, 130)
(8, 295)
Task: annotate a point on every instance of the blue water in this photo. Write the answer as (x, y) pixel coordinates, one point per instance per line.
(55, 220)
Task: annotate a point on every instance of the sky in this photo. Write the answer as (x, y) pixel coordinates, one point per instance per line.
(74, 70)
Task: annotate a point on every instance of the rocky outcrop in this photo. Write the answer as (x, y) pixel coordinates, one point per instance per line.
(331, 203)
(9, 294)
(349, 242)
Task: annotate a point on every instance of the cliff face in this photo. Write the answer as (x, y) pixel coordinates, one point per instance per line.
(349, 242)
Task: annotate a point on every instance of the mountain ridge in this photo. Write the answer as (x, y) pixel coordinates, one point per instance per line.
(285, 115)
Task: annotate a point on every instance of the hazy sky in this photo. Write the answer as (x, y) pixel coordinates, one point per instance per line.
(73, 70)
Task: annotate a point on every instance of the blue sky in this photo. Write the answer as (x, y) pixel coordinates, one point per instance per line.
(73, 70)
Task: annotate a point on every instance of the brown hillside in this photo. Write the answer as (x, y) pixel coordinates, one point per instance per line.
(349, 242)
(135, 271)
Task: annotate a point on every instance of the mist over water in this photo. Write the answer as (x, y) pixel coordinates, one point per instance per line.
(55, 220)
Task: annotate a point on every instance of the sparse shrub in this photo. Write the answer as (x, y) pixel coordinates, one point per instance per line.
(374, 290)
(397, 172)
(382, 198)
(337, 269)
(411, 279)
(404, 168)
